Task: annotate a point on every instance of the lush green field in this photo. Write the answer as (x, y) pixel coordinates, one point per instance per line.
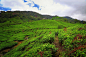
(36, 38)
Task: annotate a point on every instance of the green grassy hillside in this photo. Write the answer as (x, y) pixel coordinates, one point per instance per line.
(68, 19)
(42, 38)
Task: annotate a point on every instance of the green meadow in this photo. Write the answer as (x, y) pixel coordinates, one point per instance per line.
(42, 38)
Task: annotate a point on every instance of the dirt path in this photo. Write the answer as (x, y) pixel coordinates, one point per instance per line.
(59, 46)
(3, 52)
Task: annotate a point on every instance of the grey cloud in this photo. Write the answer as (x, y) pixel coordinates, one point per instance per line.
(78, 5)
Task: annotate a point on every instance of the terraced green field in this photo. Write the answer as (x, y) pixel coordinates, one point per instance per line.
(38, 39)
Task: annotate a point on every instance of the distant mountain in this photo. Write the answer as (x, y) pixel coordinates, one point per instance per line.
(68, 17)
(47, 16)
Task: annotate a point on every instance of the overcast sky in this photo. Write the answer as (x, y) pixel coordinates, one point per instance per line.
(73, 8)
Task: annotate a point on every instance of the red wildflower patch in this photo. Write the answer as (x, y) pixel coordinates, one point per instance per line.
(78, 37)
(65, 29)
(83, 46)
(41, 54)
(80, 28)
(79, 43)
(85, 36)
(75, 38)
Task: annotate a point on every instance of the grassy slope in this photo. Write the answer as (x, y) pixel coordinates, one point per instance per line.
(41, 36)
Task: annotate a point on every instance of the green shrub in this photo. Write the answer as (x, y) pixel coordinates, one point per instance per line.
(7, 45)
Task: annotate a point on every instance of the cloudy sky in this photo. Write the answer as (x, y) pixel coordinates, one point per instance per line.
(73, 8)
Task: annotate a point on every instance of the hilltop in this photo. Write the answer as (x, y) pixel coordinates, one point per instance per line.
(33, 16)
(23, 15)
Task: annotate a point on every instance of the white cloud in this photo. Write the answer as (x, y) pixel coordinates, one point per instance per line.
(78, 8)
(16, 5)
(79, 16)
(50, 7)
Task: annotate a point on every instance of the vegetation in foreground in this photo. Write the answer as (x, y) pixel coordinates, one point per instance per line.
(42, 38)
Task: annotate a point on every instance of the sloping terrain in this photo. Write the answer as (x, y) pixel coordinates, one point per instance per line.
(42, 38)
(22, 15)
(68, 19)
